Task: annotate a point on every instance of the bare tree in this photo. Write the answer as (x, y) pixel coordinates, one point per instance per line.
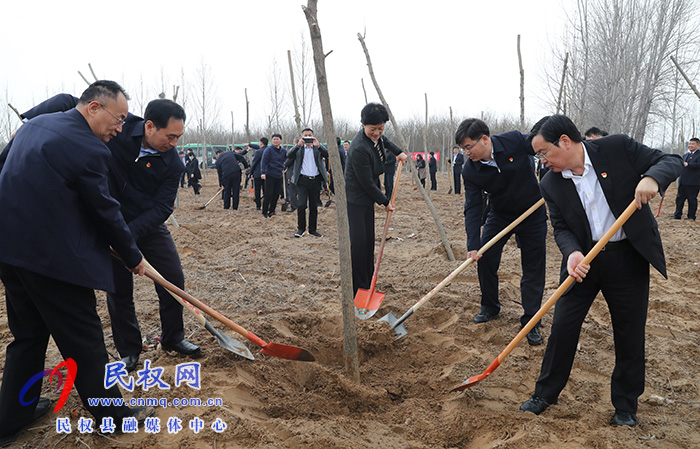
(306, 80)
(619, 75)
(277, 96)
(352, 364)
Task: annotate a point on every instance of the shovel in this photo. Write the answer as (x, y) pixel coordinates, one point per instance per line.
(273, 349)
(224, 340)
(330, 199)
(212, 198)
(660, 204)
(550, 302)
(397, 324)
(368, 301)
(286, 203)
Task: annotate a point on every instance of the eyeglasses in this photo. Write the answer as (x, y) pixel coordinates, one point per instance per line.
(543, 155)
(469, 148)
(120, 121)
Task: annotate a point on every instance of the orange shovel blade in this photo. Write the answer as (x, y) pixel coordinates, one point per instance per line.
(287, 352)
(367, 303)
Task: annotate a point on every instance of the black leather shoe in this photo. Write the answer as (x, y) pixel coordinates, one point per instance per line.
(42, 407)
(299, 233)
(624, 419)
(483, 317)
(689, 218)
(184, 348)
(316, 234)
(534, 337)
(534, 405)
(130, 362)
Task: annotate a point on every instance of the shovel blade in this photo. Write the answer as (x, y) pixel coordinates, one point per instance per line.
(367, 303)
(287, 352)
(229, 343)
(470, 382)
(391, 319)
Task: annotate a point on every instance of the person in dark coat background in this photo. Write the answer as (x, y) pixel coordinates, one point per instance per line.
(228, 167)
(432, 168)
(364, 165)
(193, 172)
(54, 171)
(457, 162)
(420, 166)
(689, 181)
(256, 170)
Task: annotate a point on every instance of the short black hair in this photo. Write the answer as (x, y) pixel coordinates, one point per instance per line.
(277, 135)
(432, 153)
(472, 128)
(307, 129)
(102, 89)
(160, 112)
(552, 127)
(595, 131)
(374, 114)
(219, 151)
(264, 141)
(695, 139)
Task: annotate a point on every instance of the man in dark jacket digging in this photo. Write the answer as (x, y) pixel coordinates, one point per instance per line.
(502, 166)
(144, 176)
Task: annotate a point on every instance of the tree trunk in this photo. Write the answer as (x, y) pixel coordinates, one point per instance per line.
(522, 88)
(402, 143)
(247, 116)
(561, 84)
(352, 363)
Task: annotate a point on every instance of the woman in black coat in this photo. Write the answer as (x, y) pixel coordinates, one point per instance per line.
(364, 164)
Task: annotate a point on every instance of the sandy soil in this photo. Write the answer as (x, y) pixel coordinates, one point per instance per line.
(288, 290)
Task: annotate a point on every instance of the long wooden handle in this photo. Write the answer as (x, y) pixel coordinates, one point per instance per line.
(215, 195)
(569, 280)
(185, 304)
(481, 251)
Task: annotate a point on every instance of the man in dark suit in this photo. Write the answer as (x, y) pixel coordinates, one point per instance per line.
(228, 167)
(457, 162)
(58, 222)
(255, 169)
(144, 176)
(590, 184)
(308, 171)
(432, 166)
(502, 166)
(689, 182)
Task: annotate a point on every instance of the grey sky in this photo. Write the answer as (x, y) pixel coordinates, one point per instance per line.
(462, 54)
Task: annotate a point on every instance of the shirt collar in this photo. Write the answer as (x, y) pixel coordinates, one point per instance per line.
(587, 165)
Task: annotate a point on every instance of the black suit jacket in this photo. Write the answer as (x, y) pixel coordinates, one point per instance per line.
(690, 176)
(363, 168)
(458, 162)
(619, 163)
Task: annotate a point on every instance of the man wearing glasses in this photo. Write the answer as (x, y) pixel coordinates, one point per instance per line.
(590, 184)
(144, 176)
(502, 165)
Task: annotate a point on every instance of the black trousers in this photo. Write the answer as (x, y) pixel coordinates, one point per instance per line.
(622, 274)
(38, 307)
(159, 249)
(361, 223)
(690, 193)
(433, 181)
(194, 182)
(273, 190)
(531, 235)
(259, 188)
(232, 190)
(389, 171)
(457, 175)
(308, 192)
